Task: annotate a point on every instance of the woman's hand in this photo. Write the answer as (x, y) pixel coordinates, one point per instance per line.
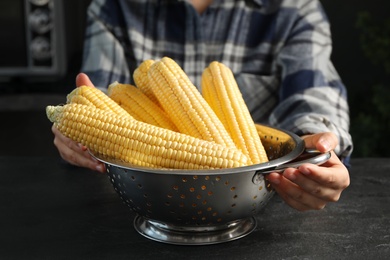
(312, 186)
(71, 151)
(75, 153)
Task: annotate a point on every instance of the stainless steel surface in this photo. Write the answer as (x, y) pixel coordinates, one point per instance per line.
(309, 156)
(201, 204)
(170, 234)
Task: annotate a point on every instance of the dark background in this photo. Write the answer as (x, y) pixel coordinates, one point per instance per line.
(361, 55)
(361, 37)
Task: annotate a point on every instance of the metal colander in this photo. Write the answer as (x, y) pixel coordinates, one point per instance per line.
(194, 207)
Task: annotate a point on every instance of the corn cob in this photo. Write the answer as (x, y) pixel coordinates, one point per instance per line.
(271, 135)
(140, 76)
(221, 91)
(139, 143)
(92, 96)
(138, 105)
(79, 99)
(184, 104)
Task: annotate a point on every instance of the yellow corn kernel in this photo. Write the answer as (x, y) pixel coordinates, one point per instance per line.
(93, 96)
(140, 76)
(138, 105)
(221, 91)
(138, 143)
(184, 104)
(79, 99)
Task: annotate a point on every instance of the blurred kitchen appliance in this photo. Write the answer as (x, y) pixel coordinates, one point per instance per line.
(33, 39)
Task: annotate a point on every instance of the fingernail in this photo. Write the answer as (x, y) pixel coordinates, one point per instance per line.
(274, 180)
(99, 168)
(82, 147)
(290, 176)
(326, 145)
(304, 170)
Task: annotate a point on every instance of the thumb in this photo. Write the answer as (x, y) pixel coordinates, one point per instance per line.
(324, 142)
(83, 80)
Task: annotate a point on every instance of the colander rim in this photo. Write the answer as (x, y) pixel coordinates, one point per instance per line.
(267, 166)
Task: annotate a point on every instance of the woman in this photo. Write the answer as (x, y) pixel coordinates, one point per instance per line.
(279, 52)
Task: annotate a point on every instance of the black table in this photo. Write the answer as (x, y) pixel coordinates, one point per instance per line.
(50, 210)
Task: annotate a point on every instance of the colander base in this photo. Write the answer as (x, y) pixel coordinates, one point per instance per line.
(177, 235)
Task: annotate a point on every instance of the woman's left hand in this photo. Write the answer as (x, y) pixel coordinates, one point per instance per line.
(313, 186)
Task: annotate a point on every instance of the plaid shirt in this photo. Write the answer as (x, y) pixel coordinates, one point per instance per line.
(278, 50)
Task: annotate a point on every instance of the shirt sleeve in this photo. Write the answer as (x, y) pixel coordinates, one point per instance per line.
(104, 57)
(312, 97)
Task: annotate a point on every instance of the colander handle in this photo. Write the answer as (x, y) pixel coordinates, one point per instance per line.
(308, 156)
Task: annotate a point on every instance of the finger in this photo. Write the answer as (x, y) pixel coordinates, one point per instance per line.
(331, 174)
(75, 153)
(293, 195)
(315, 188)
(276, 182)
(324, 142)
(61, 141)
(83, 80)
(81, 159)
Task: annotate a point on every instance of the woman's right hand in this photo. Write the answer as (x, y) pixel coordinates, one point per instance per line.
(71, 151)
